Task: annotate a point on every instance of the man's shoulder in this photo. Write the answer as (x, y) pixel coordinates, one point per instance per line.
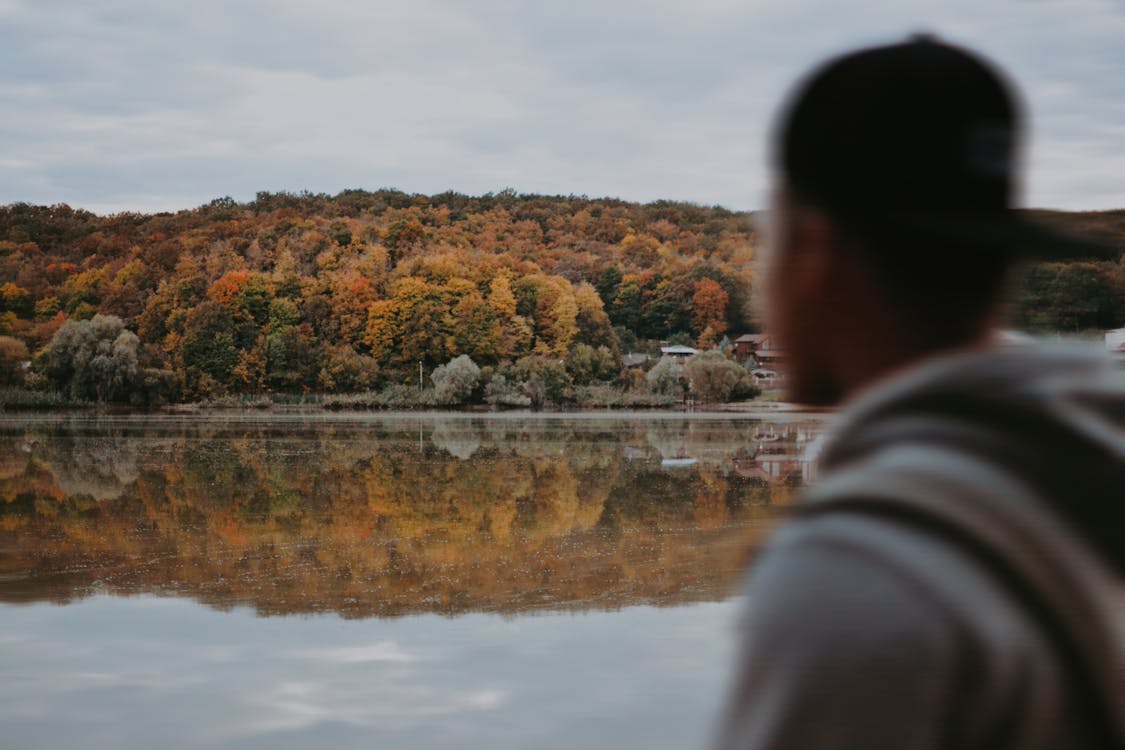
(874, 570)
(849, 612)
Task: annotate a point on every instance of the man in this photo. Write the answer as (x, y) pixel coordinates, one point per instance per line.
(953, 581)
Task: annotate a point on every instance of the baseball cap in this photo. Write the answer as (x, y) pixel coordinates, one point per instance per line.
(919, 136)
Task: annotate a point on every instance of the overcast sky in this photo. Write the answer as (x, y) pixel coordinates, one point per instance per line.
(151, 105)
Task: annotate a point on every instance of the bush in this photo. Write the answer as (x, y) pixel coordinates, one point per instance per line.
(501, 391)
(610, 397)
(154, 387)
(18, 399)
(455, 381)
(745, 389)
(713, 377)
(666, 378)
(398, 396)
(545, 380)
(586, 365)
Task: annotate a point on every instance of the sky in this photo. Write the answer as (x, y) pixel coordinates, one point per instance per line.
(150, 105)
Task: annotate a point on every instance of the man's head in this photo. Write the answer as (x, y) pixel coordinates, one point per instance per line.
(893, 225)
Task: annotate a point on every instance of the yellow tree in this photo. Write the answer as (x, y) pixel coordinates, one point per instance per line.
(382, 329)
(593, 323)
(516, 333)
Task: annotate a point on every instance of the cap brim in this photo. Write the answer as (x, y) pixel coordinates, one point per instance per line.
(1011, 232)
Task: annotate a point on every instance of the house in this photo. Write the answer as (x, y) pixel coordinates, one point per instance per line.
(769, 358)
(748, 343)
(761, 347)
(1115, 345)
(1115, 340)
(678, 354)
(751, 344)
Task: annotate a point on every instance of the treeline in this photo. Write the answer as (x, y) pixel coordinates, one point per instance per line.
(358, 291)
(299, 293)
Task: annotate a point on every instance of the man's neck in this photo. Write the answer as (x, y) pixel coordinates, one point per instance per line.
(875, 361)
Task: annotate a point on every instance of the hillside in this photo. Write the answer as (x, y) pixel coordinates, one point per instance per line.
(299, 293)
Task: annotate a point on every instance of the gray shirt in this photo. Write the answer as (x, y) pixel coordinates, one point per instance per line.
(863, 631)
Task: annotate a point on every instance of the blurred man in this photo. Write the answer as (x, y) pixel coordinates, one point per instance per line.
(953, 581)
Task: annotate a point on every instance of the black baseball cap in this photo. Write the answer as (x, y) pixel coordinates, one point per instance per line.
(920, 137)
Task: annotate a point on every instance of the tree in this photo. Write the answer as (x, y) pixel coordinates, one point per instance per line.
(94, 359)
(710, 308)
(1067, 296)
(209, 346)
(415, 325)
(13, 357)
(455, 381)
(628, 304)
(476, 331)
(587, 364)
(292, 358)
(346, 370)
(593, 323)
(15, 299)
(516, 333)
(544, 379)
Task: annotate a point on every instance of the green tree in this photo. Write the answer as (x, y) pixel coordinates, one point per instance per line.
(544, 379)
(1067, 297)
(94, 359)
(587, 364)
(209, 345)
(292, 358)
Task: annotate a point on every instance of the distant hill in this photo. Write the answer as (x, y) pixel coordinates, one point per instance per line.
(308, 292)
(1105, 228)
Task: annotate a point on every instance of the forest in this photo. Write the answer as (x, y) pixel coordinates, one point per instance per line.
(503, 298)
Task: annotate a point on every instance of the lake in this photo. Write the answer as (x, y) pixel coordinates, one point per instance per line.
(358, 580)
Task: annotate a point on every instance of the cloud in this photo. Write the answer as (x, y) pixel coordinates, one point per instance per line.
(295, 705)
(387, 652)
(131, 105)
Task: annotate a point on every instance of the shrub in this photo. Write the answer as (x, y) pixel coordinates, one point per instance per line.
(18, 399)
(587, 364)
(455, 381)
(501, 391)
(713, 377)
(544, 379)
(666, 378)
(610, 397)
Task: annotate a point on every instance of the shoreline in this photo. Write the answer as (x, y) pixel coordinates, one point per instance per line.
(735, 411)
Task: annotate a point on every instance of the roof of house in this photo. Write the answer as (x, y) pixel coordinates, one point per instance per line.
(633, 360)
(678, 350)
(751, 338)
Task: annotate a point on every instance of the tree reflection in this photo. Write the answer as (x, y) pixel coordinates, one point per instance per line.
(394, 516)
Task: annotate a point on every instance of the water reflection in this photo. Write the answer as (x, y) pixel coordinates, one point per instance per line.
(387, 516)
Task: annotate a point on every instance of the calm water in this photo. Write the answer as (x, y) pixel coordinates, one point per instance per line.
(365, 581)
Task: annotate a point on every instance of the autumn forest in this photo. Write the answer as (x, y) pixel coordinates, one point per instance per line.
(505, 298)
